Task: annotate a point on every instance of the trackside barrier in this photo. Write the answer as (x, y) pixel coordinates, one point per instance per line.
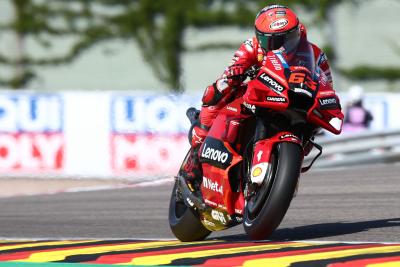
(356, 149)
(141, 135)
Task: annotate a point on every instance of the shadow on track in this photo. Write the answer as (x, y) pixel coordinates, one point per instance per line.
(322, 230)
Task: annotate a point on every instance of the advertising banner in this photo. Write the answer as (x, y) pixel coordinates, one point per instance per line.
(149, 133)
(31, 133)
(113, 134)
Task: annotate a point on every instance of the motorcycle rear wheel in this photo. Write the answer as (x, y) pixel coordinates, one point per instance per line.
(183, 221)
(261, 222)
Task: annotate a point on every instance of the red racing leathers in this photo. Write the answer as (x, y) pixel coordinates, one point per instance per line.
(217, 95)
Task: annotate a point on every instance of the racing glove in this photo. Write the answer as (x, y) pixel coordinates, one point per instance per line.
(235, 74)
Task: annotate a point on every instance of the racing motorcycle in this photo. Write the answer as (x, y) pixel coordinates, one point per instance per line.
(253, 154)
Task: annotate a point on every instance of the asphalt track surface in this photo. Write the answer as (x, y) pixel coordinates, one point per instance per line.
(355, 204)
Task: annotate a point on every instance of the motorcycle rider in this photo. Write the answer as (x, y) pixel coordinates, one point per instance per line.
(276, 28)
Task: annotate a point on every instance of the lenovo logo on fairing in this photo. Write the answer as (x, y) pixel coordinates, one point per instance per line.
(214, 186)
(327, 101)
(214, 154)
(268, 81)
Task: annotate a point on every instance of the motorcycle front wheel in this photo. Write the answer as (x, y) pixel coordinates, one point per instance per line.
(183, 221)
(265, 210)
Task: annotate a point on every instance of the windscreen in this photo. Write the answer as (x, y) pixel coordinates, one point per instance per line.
(304, 56)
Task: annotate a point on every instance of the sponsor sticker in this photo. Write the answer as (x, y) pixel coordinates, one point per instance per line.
(232, 109)
(215, 153)
(328, 103)
(289, 136)
(213, 186)
(257, 172)
(302, 91)
(218, 216)
(278, 24)
(280, 13)
(276, 99)
(190, 202)
(207, 222)
(252, 108)
(275, 62)
(271, 83)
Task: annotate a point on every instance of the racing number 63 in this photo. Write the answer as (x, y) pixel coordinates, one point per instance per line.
(300, 77)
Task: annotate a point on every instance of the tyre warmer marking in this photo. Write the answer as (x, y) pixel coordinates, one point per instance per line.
(78, 253)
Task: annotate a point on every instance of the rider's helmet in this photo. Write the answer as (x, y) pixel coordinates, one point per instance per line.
(277, 27)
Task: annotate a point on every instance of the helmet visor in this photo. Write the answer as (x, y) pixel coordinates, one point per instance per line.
(272, 41)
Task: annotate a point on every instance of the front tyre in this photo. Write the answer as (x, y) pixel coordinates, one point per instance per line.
(261, 220)
(184, 223)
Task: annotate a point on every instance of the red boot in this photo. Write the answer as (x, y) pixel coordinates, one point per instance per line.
(191, 167)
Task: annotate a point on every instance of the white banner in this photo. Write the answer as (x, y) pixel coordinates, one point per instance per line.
(107, 134)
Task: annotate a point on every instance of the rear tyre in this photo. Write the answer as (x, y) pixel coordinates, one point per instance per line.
(183, 221)
(260, 220)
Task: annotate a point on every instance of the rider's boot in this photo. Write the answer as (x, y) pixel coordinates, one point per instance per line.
(191, 168)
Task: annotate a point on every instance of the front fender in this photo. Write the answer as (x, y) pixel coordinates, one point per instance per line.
(262, 152)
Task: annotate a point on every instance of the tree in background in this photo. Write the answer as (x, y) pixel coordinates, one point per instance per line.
(158, 27)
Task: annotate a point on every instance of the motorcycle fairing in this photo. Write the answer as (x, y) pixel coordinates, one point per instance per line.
(216, 187)
(268, 90)
(326, 111)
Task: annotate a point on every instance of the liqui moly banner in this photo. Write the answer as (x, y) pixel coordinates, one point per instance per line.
(31, 133)
(149, 133)
(112, 134)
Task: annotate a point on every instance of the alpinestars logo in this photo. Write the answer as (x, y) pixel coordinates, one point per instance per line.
(213, 186)
(271, 83)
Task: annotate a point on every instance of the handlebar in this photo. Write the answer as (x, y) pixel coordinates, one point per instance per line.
(252, 72)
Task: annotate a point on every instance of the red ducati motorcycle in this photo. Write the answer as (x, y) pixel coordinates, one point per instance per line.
(253, 154)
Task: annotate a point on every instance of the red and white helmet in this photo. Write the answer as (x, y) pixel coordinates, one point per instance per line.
(277, 26)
